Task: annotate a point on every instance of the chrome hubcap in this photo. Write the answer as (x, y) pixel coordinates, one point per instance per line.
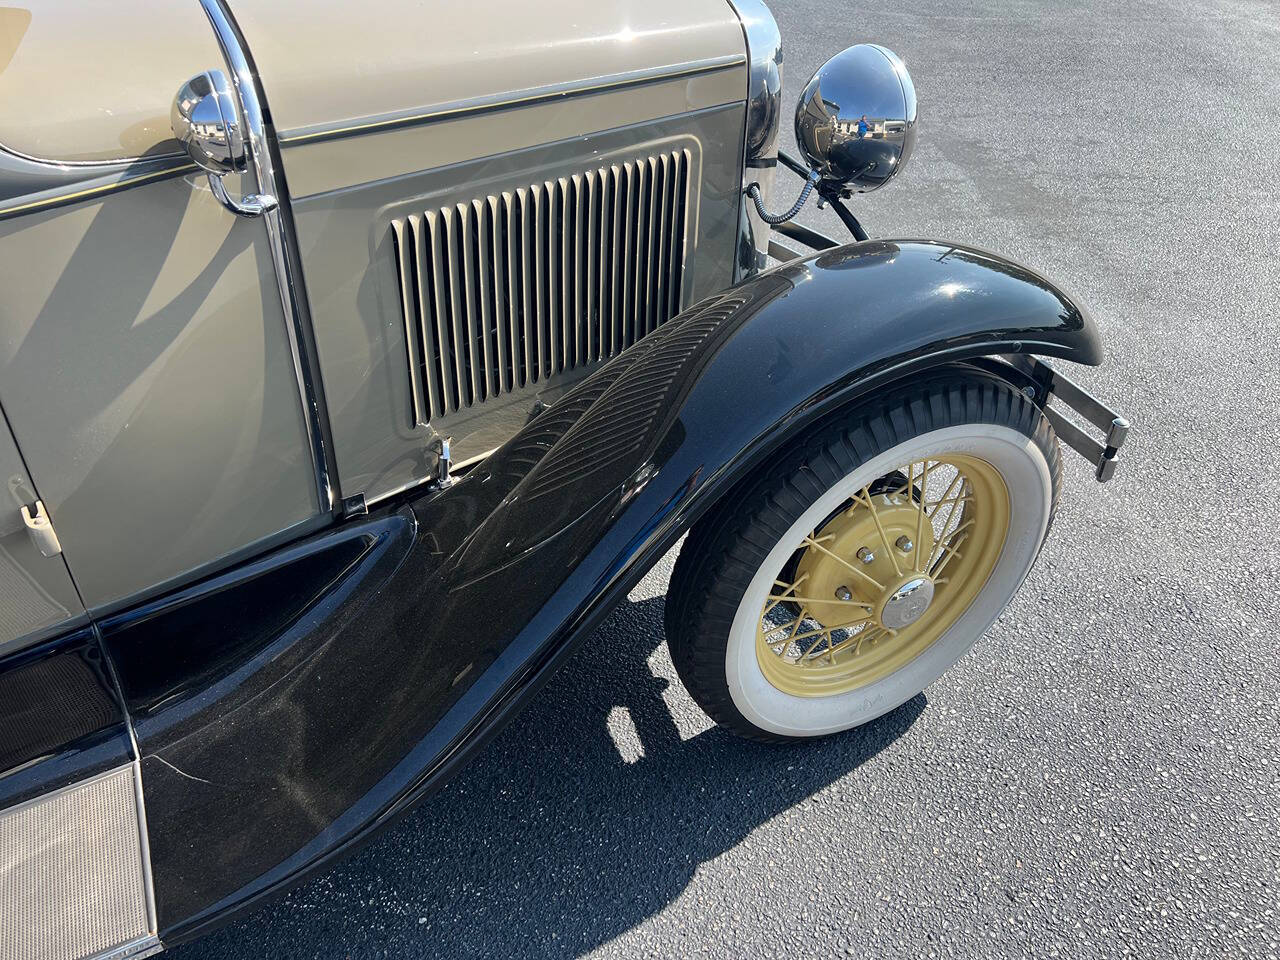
(907, 604)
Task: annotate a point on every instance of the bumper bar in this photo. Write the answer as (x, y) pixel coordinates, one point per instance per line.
(1052, 385)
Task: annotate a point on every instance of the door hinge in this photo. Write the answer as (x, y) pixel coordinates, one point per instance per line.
(41, 529)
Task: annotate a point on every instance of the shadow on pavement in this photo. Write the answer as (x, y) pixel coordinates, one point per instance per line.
(551, 843)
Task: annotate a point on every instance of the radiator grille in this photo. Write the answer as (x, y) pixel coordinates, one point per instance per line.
(512, 289)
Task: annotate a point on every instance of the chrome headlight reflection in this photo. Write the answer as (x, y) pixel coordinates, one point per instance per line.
(856, 119)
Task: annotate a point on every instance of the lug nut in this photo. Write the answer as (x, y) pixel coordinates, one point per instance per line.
(904, 544)
(866, 555)
(842, 593)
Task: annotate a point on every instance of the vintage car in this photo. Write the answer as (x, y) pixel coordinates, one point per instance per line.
(353, 369)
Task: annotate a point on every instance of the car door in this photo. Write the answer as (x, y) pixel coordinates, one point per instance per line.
(145, 364)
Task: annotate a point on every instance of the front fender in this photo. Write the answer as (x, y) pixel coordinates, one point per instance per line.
(433, 620)
(658, 433)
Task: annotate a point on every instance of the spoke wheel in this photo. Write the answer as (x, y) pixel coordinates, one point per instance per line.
(881, 580)
(866, 560)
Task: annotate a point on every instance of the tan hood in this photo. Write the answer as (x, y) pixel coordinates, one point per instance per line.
(333, 64)
(94, 81)
(85, 80)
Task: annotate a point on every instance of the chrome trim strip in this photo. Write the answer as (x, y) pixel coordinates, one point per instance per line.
(763, 122)
(133, 950)
(144, 839)
(103, 182)
(107, 165)
(270, 181)
(140, 803)
(516, 98)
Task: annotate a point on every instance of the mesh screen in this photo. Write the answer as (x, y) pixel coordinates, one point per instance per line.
(71, 878)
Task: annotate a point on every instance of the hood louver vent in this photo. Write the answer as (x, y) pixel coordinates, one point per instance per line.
(509, 290)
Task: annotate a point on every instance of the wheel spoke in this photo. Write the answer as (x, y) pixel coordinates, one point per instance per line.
(948, 552)
(843, 562)
(798, 599)
(924, 482)
(943, 503)
(946, 542)
(904, 489)
(778, 600)
(795, 624)
(792, 625)
(774, 628)
(943, 536)
(856, 639)
(873, 633)
(822, 630)
(884, 537)
(786, 640)
(946, 493)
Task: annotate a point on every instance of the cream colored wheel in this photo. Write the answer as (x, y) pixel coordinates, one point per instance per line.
(889, 552)
(877, 583)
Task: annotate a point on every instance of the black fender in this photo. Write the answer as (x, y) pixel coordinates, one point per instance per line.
(322, 690)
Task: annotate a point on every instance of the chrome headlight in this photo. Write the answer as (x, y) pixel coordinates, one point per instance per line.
(856, 119)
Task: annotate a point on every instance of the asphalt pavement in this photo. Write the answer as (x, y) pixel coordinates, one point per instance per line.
(1100, 777)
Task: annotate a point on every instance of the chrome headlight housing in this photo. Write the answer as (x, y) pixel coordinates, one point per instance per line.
(856, 119)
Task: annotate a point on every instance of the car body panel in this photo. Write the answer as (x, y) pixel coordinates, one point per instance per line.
(632, 79)
(36, 593)
(398, 126)
(354, 294)
(148, 380)
(262, 755)
(82, 83)
(395, 66)
(322, 165)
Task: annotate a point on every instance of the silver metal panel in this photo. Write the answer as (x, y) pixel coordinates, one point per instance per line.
(617, 262)
(480, 328)
(499, 272)
(550, 294)
(74, 873)
(542, 335)
(435, 240)
(81, 85)
(484, 294)
(470, 282)
(594, 351)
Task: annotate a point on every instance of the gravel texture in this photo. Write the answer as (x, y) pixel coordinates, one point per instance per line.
(1100, 776)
